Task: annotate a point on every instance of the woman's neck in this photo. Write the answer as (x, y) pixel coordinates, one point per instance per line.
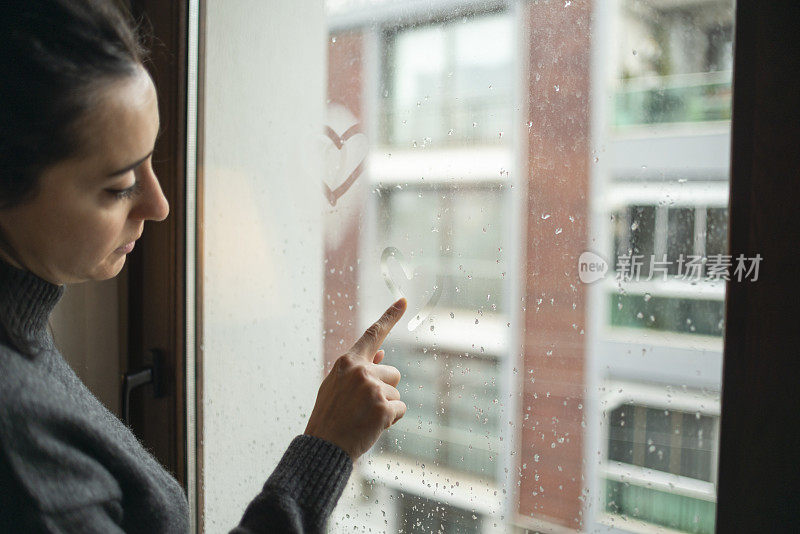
(8, 254)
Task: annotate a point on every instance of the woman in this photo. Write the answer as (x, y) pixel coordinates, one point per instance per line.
(78, 122)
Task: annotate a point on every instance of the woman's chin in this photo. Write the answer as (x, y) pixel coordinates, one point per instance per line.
(110, 269)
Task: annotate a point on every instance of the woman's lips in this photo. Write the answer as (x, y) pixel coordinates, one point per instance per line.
(127, 248)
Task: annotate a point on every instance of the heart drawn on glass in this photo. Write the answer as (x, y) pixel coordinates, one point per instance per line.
(343, 157)
(397, 293)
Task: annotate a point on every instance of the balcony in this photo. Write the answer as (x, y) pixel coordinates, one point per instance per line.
(681, 98)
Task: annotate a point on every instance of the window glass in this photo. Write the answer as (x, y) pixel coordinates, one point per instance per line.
(448, 83)
(677, 62)
(547, 184)
(505, 142)
(665, 441)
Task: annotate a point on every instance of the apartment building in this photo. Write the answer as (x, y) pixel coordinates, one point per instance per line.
(486, 146)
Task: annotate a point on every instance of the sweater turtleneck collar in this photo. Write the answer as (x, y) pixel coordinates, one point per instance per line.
(26, 302)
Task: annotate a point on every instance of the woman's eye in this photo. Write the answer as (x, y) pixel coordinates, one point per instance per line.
(127, 192)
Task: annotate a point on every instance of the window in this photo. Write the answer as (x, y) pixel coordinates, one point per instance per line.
(486, 147)
(456, 232)
(661, 455)
(448, 83)
(677, 62)
(456, 420)
(447, 87)
(450, 125)
(675, 289)
(424, 515)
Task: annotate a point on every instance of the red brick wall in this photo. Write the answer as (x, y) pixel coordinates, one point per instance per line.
(340, 298)
(558, 176)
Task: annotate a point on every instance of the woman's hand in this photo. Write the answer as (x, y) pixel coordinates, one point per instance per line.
(359, 399)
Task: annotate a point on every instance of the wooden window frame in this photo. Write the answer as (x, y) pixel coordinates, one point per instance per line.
(156, 292)
(757, 477)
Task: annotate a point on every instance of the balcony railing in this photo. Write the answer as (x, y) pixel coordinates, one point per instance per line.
(698, 97)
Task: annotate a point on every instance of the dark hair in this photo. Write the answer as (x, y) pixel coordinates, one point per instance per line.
(55, 54)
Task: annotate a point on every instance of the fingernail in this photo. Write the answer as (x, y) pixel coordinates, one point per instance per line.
(399, 303)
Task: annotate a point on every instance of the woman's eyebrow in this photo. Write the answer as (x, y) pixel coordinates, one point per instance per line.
(129, 167)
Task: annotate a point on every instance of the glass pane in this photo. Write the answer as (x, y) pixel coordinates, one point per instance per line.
(680, 236)
(546, 182)
(677, 62)
(448, 83)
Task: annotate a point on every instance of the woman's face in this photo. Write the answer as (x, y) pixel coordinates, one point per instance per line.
(88, 208)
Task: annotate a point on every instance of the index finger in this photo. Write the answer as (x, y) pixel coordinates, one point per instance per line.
(369, 343)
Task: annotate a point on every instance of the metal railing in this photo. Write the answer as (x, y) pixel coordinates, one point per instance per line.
(697, 97)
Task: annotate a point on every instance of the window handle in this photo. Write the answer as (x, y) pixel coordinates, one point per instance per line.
(152, 374)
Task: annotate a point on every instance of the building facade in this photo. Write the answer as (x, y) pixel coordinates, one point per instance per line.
(475, 152)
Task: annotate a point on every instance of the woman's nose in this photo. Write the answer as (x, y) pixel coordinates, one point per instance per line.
(152, 205)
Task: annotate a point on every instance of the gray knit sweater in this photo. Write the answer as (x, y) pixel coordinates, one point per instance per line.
(67, 464)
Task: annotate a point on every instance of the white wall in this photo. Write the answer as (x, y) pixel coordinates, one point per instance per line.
(262, 348)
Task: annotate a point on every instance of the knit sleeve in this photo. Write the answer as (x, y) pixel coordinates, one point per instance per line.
(301, 492)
